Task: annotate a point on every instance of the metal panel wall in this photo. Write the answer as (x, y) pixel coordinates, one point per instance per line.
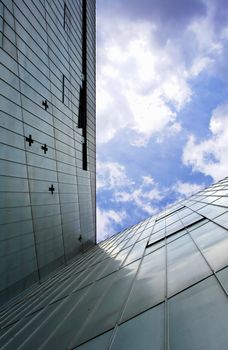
(47, 199)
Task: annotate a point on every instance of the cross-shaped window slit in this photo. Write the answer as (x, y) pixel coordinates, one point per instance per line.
(44, 148)
(29, 140)
(45, 104)
(52, 189)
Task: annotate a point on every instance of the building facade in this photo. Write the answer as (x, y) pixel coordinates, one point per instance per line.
(47, 137)
(161, 284)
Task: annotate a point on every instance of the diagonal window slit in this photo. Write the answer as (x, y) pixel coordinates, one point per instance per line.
(159, 236)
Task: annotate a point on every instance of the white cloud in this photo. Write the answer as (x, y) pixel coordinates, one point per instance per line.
(199, 64)
(150, 114)
(140, 197)
(140, 86)
(210, 156)
(186, 189)
(105, 221)
(142, 193)
(148, 180)
(210, 42)
(205, 35)
(111, 175)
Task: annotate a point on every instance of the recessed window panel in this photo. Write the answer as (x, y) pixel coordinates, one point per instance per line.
(196, 225)
(176, 226)
(170, 212)
(186, 211)
(171, 219)
(156, 237)
(151, 248)
(176, 235)
(191, 219)
(185, 264)
(172, 230)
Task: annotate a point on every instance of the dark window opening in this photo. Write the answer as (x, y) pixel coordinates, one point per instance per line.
(63, 89)
(161, 237)
(155, 241)
(171, 213)
(80, 111)
(84, 156)
(64, 16)
(83, 90)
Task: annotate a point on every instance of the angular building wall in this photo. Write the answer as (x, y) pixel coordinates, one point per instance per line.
(47, 136)
(161, 284)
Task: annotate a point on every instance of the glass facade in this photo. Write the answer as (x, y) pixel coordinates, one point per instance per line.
(160, 284)
(47, 137)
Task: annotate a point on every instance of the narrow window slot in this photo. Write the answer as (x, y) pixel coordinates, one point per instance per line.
(171, 234)
(83, 121)
(64, 16)
(80, 111)
(63, 89)
(172, 212)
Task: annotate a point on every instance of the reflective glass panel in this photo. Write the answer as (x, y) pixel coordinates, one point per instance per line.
(191, 219)
(198, 318)
(223, 276)
(211, 211)
(98, 343)
(145, 331)
(156, 237)
(106, 312)
(149, 285)
(136, 252)
(213, 241)
(185, 264)
(222, 220)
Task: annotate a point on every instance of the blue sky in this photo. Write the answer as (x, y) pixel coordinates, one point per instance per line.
(162, 105)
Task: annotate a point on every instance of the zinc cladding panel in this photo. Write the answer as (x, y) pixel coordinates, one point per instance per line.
(35, 56)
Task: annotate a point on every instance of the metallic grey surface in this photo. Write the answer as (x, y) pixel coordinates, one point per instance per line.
(36, 50)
